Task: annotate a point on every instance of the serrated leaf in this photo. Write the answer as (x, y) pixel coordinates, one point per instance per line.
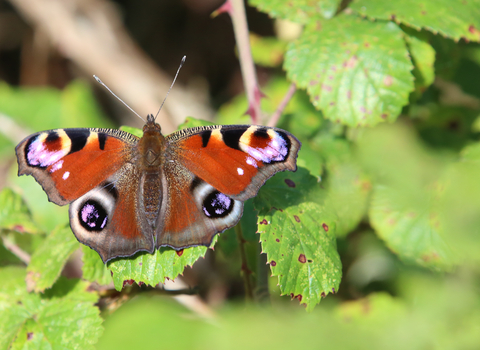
(454, 19)
(65, 318)
(298, 236)
(356, 72)
(94, 270)
(50, 258)
(423, 56)
(152, 269)
(14, 213)
(299, 11)
(301, 249)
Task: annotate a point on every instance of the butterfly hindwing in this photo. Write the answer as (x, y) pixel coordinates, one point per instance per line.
(194, 211)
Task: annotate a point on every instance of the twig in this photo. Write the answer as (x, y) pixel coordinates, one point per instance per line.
(276, 116)
(245, 270)
(12, 130)
(17, 251)
(236, 10)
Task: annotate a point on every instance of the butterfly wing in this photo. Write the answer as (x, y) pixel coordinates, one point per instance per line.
(211, 171)
(93, 170)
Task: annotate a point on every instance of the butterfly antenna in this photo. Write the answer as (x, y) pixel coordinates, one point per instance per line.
(106, 87)
(174, 79)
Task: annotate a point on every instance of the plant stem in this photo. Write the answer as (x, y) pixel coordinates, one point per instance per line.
(262, 293)
(245, 270)
(236, 9)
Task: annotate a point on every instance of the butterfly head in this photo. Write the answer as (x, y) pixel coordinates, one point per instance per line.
(151, 125)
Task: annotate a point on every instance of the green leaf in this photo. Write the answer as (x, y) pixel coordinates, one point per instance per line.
(64, 318)
(191, 122)
(406, 199)
(413, 231)
(309, 158)
(14, 213)
(94, 270)
(152, 269)
(460, 204)
(50, 258)
(287, 189)
(267, 51)
(298, 236)
(298, 11)
(356, 72)
(347, 185)
(454, 19)
(423, 56)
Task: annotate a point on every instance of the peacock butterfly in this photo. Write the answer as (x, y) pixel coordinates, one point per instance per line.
(130, 194)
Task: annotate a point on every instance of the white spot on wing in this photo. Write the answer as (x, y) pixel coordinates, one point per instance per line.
(57, 166)
(66, 175)
(240, 171)
(252, 162)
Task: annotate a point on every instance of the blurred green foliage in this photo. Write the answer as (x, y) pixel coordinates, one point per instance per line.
(383, 212)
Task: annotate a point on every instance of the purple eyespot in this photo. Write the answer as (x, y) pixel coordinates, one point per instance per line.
(92, 216)
(217, 205)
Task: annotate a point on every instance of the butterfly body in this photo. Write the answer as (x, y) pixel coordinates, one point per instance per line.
(130, 194)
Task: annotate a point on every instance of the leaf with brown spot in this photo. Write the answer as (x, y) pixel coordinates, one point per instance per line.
(301, 239)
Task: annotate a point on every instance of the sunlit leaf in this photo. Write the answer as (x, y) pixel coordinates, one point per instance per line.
(299, 11)
(356, 72)
(63, 318)
(49, 259)
(454, 19)
(14, 213)
(94, 270)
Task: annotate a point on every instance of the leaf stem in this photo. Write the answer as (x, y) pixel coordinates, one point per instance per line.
(245, 270)
(17, 251)
(278, 112)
